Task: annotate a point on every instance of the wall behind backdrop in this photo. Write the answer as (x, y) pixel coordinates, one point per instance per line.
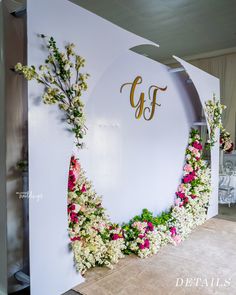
(223, 67)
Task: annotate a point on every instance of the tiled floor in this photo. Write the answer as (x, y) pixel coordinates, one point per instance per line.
(225, 212)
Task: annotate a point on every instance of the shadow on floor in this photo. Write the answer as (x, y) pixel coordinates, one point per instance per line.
(27, 292)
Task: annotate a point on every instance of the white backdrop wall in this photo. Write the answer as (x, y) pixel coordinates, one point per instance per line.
(133, 163)
(207, 85)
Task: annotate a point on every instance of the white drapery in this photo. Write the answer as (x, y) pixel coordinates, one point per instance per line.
(223, 67)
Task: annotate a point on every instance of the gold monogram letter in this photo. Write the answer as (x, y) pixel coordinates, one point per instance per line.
(139, 105)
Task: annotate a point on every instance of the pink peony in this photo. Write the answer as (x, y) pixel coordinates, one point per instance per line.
(141, 236)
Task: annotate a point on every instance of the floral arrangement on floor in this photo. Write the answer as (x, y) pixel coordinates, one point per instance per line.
(226, 143)
(95, 240)
(64, 83)
(213, 110)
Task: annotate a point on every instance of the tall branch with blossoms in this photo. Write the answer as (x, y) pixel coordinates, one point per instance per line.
(64, 83)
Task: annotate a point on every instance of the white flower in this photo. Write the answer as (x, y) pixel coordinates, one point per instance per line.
(66, 67)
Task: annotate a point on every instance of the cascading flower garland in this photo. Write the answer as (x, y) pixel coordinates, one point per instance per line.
(96, 240)
(213, 110)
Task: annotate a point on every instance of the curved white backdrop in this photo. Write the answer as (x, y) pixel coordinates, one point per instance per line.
(133, 163)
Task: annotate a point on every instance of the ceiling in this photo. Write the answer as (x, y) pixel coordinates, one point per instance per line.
(180, 27)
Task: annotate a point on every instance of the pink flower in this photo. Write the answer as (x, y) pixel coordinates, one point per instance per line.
(71, 180)
(72, 206)
(75, 239)
(195, 152)
(74, 217)
(185, 201)
(180, 195)
(197, 145)
(75, 164)
(188, 168)
(150, 226)
(173, 231)
(176, 239)
(83, 188)
(181, 188)
(141, 236)
(146, 243)
(116, 237)
(178, 202)
(141, 246)
(189, 177)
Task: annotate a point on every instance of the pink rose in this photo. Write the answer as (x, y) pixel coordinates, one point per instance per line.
(188, 168)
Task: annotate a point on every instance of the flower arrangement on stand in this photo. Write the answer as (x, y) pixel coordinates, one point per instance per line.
(214, 109)
(226, 143)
